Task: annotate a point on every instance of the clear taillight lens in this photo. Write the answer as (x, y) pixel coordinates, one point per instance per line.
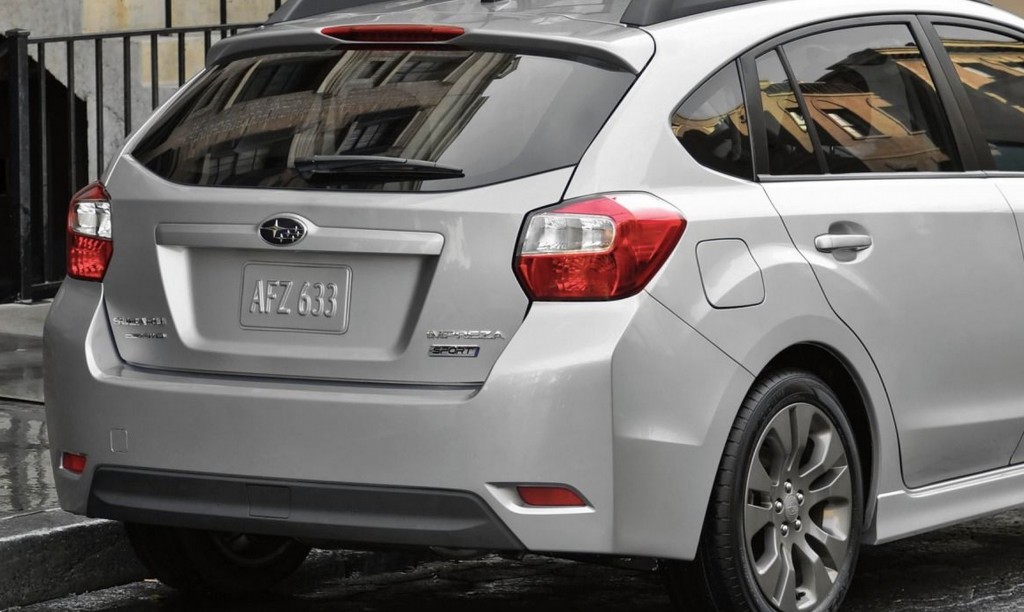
(602, 247)
(90, 242)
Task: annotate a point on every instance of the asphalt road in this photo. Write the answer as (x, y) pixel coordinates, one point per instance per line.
(977, 567)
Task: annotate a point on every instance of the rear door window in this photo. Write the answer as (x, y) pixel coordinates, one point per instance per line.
(393, 120)
(871, 101)
(991, 69)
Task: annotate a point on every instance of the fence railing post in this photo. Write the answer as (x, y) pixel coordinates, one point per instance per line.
(20, 157)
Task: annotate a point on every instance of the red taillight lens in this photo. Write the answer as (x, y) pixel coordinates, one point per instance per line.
(550, 497)
(598, 248)
(72, 462)
(90, 243)
(393, 33)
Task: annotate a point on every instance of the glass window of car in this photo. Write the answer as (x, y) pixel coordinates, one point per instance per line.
(872, 100)
(712, 125)
(991, 68)
(309, 120)
(790, 148)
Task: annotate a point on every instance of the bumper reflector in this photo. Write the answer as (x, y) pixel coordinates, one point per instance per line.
(550, 496)
(72, 462)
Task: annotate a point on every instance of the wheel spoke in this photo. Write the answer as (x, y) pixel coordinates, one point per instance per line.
(829, 454)
(834, 544)
(817, 579)
(800, 418)
(785, 586)
(780, 431)
(770, 568)
(758, 478)
(755, 518)
(837, 487)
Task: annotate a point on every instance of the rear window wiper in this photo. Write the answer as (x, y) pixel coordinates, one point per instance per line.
(373, 166)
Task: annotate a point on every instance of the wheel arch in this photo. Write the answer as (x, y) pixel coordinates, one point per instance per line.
(828, 364)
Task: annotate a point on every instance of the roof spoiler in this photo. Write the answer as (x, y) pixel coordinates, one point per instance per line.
(284, 40)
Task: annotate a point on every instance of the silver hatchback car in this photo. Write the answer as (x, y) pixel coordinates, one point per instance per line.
(732, 287)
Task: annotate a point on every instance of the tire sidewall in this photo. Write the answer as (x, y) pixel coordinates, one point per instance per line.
(794, 387)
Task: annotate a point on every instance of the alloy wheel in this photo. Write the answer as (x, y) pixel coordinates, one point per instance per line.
(798, 508)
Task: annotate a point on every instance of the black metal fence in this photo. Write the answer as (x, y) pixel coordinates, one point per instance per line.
(58, 139)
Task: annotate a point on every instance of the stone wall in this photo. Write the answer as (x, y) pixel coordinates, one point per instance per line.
(1015, 6)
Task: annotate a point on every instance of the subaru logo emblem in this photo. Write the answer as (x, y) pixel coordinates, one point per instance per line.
(282, 231)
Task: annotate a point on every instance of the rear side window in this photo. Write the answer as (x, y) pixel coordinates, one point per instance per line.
(991, 68)
(872, 101)
(712, 125)
(393, 120)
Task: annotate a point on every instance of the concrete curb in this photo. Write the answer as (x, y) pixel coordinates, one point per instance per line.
(49, 554)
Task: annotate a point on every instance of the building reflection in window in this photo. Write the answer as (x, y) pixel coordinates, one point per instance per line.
(248, 120)
(991, 68)
(869, 96)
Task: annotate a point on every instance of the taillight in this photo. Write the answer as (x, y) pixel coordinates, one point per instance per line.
(90, 243)
(602, 247)
(381, 33)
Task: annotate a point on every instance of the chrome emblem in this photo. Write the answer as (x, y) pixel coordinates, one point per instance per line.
(282, 231)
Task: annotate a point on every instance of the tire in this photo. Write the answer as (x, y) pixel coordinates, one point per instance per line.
(783, 527)
(214, 563)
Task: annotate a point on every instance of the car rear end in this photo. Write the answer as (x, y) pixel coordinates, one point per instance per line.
(332, 292)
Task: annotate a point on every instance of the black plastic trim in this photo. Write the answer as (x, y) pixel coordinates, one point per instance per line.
(971, 157)
(371, 514)
(812, 127)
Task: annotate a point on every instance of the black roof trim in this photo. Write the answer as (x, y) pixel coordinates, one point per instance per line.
(650, 12)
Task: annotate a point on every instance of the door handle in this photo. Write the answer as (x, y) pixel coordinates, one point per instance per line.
(827, 243)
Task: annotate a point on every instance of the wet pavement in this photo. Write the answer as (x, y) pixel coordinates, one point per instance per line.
(21, 367)
(976, 567)
(26, 476)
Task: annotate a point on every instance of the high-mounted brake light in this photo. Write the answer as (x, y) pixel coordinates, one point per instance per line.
(602, 247)
(379, 33)
(90, 243)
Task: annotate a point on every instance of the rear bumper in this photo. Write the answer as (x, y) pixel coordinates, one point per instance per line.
(621, 400)
(346, 513)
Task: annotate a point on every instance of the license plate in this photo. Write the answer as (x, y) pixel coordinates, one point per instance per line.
(296, 298)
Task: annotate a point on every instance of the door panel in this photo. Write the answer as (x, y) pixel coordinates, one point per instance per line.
(936, 299)
(926, 269)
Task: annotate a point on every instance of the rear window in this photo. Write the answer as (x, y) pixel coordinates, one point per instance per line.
(346, 119)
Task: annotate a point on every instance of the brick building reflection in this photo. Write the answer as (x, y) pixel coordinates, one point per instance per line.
(867, 128)
(263, 113)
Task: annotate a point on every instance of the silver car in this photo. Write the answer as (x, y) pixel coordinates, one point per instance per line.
(729, 288)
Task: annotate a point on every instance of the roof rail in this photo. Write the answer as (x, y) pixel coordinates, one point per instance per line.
(299, 9)
(650, 12)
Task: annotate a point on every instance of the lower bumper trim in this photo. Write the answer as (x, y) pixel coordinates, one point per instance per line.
(343, 512)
